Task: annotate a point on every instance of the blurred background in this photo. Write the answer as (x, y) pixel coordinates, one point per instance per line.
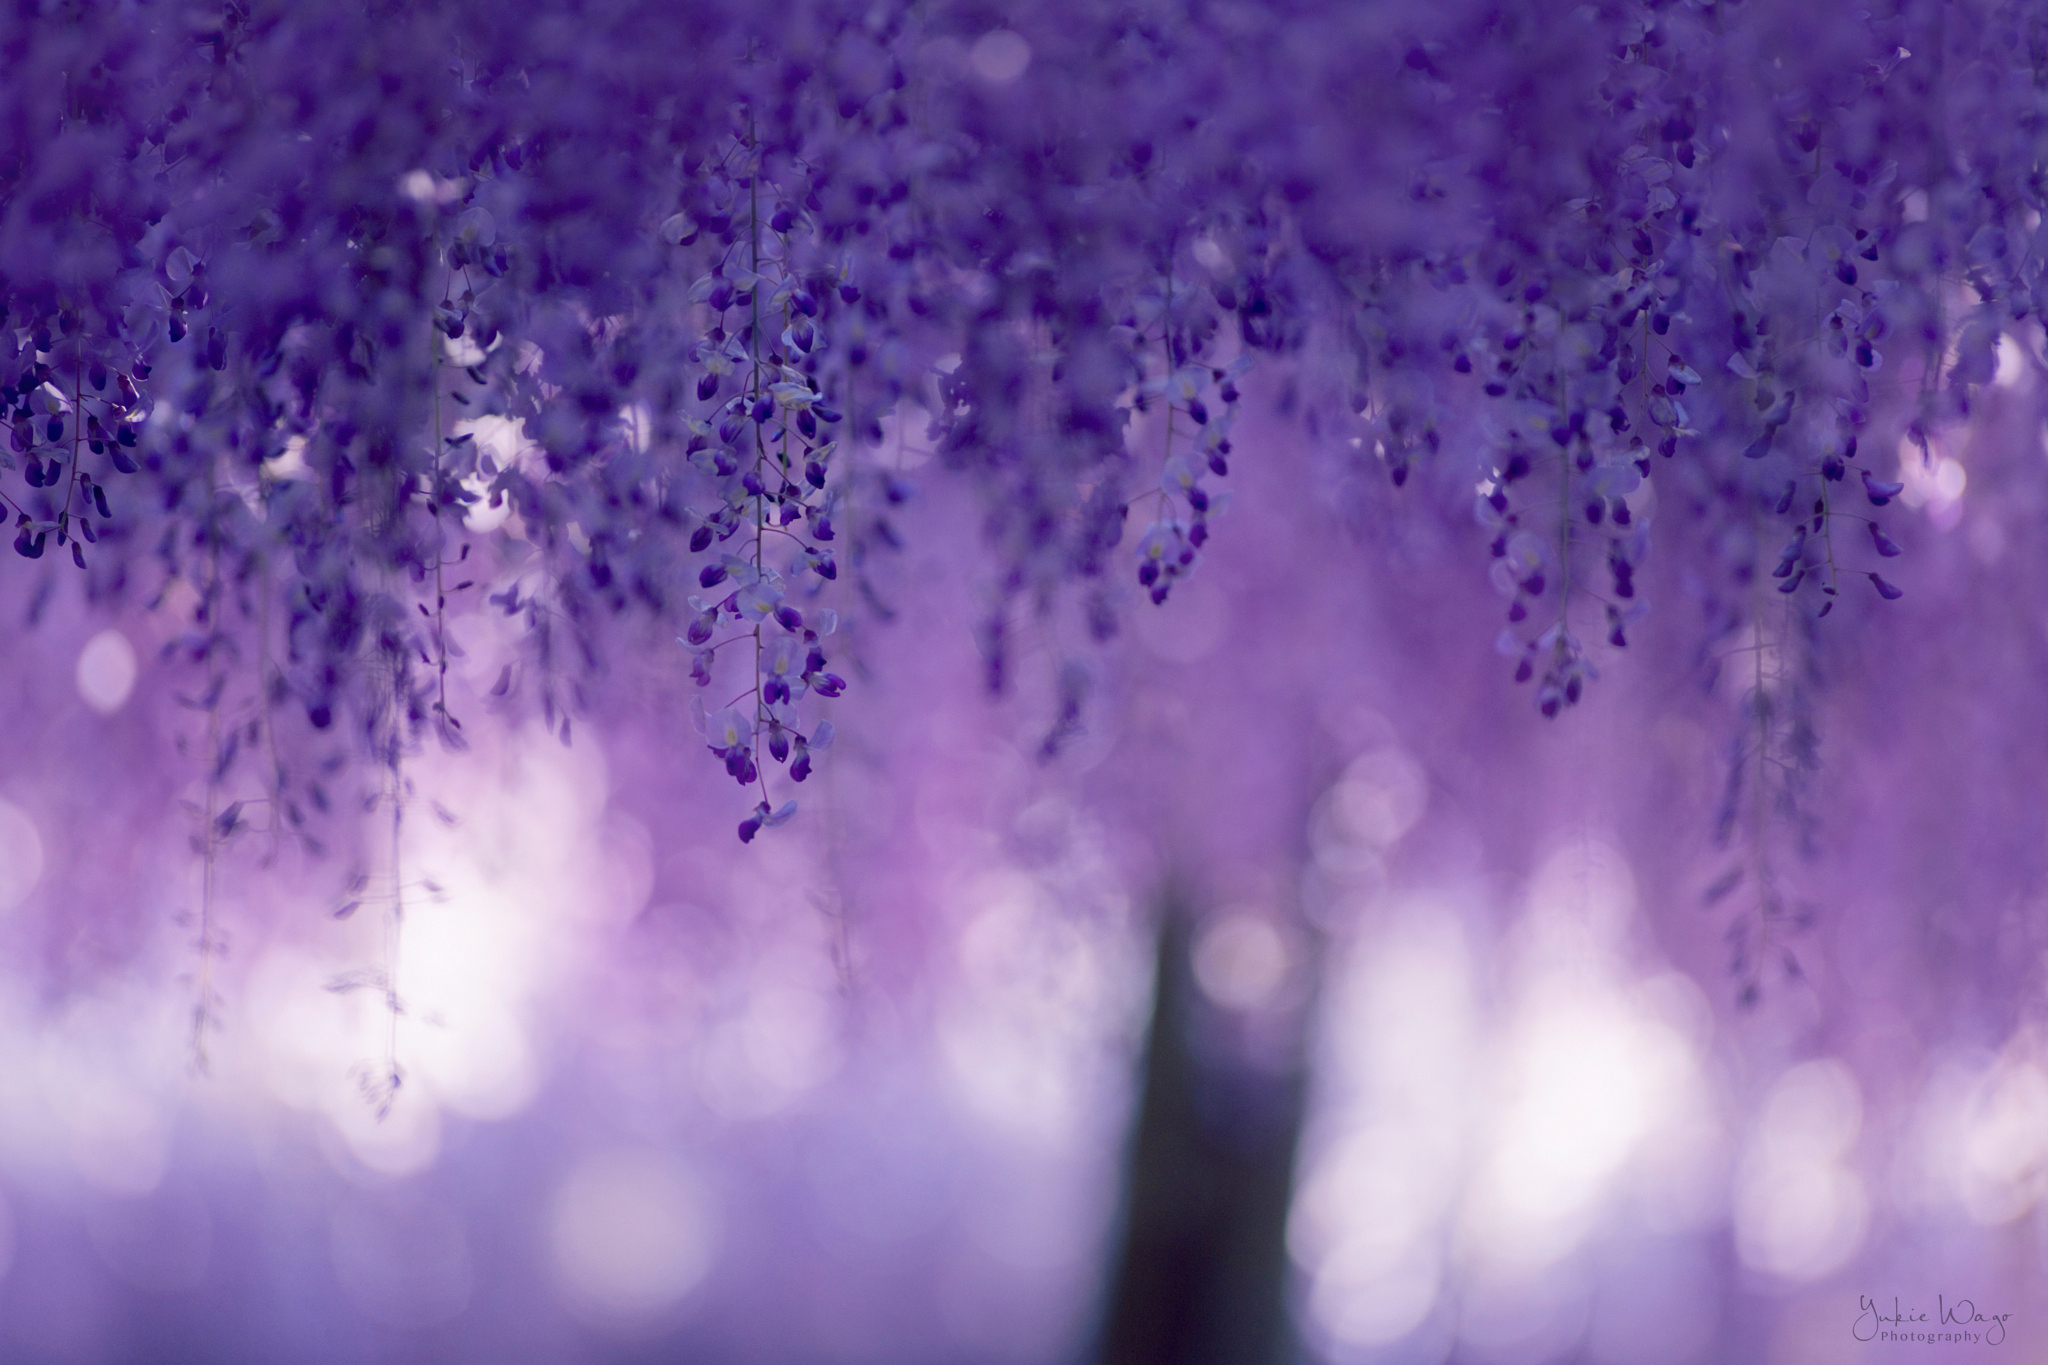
(1321, 1004)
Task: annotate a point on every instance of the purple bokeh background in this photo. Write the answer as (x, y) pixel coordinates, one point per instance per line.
(865, 1088)
(859, 1091)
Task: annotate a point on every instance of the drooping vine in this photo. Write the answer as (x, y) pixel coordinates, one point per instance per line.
(608, 338)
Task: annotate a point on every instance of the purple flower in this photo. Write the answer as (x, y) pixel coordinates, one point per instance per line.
(728, 730)
(782, 667)
(760, 599)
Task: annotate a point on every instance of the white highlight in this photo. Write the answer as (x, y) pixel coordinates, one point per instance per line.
(1934, 486)
(423, 187)
(1800, 1213)
(1241, 961)
(1036, 989)
(1212, 256)
(1587, 1070)
(630, 1233)
(1981, 1140)
(999, 56)
(106, 671)
(2005, 1150)
(2012, 363)
(1362, 1302)
(504, 440)
(1367, 1220)
(1478, 1124)
(1379, 799)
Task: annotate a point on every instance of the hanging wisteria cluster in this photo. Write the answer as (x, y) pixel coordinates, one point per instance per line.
(322, 320)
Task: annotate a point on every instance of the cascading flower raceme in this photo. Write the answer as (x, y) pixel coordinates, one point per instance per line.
(330, 321)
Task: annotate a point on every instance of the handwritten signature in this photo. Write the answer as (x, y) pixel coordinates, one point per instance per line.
(1960, 1315)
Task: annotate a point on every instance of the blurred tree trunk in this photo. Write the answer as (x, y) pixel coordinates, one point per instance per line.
(1200, 1273)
